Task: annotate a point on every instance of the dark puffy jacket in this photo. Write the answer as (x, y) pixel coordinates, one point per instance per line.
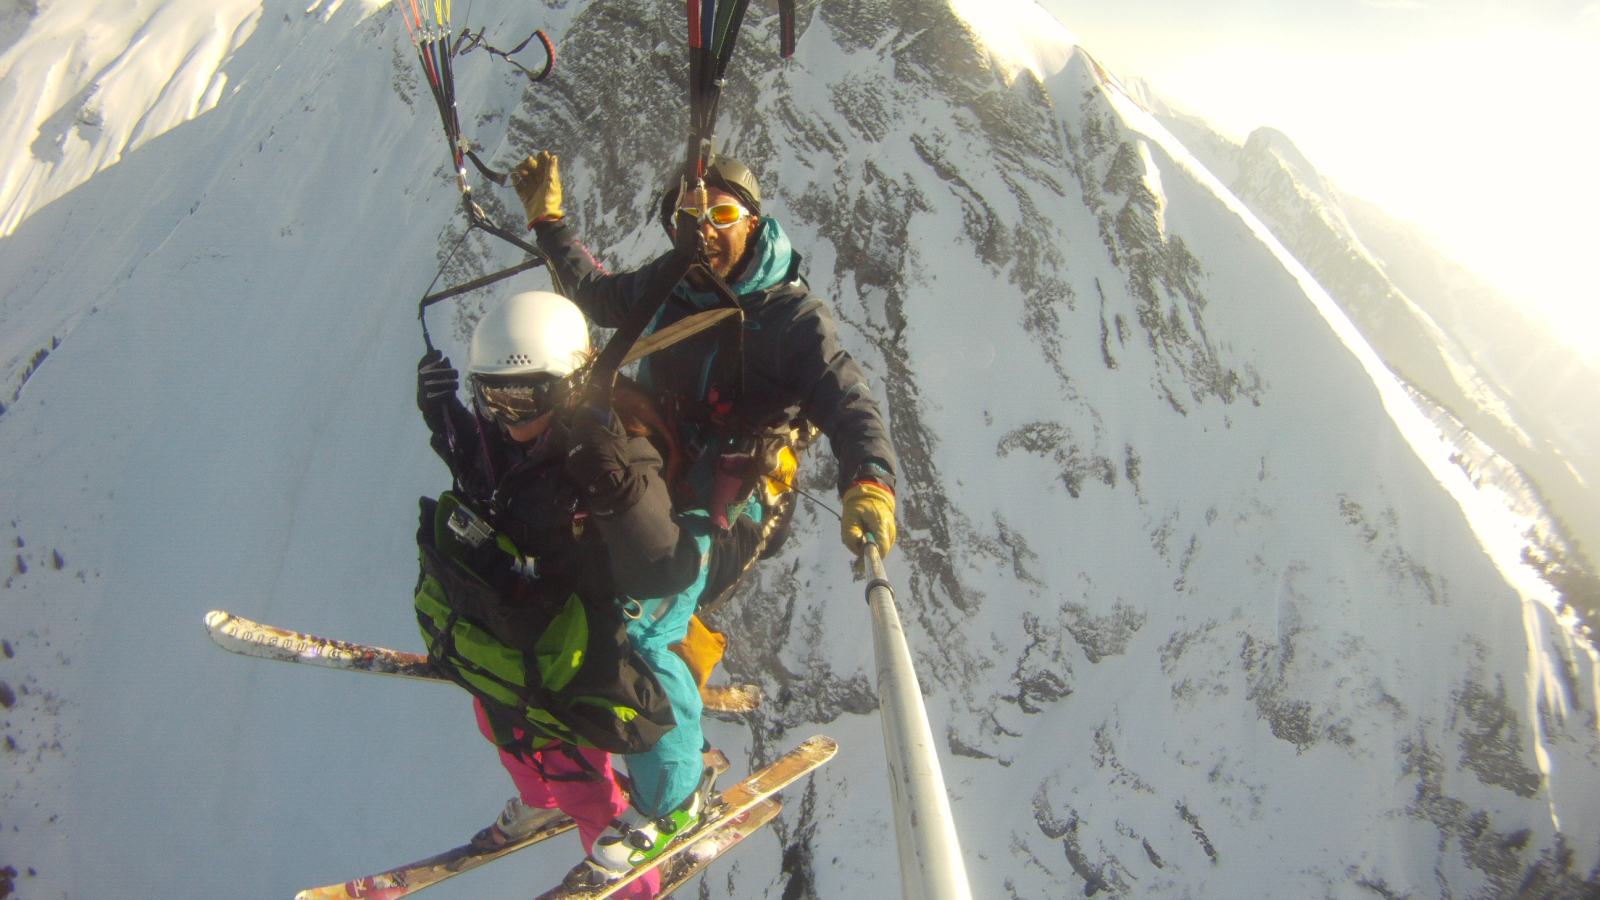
(793, 364)
(641, 552)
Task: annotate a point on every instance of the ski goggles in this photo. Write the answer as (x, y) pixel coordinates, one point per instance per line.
(512, 400)
(720, 215)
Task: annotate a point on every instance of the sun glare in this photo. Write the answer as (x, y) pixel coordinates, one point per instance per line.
(1487, 142)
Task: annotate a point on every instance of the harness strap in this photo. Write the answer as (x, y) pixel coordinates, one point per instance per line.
(445, 657)
(589, 773)
(472, 41)
(726, 295)
(496, 177)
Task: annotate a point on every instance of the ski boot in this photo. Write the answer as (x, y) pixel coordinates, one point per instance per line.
(634, 839)
(516, 822)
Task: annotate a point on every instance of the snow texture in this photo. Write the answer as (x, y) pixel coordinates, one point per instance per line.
(1518, 403)
(1200, 604)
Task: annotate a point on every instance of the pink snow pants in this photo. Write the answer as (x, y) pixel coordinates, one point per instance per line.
(592, 804)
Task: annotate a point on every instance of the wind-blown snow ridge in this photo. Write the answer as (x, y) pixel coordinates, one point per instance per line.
(1519, 404)
(88, 82)
(1498, 528)
(1020, 33)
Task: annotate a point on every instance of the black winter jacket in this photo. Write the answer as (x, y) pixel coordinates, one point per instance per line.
(793, 364)
(640, 552)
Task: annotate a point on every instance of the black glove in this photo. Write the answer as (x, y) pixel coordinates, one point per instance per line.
(597, 462)
(437, 383)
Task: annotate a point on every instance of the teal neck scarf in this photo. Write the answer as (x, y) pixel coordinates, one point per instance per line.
(768, 266)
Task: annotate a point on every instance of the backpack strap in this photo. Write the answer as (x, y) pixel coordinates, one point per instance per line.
(445, 658)
(505, 737)
(588, 771)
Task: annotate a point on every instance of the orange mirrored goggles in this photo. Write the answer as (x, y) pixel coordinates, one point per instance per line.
(720, 215)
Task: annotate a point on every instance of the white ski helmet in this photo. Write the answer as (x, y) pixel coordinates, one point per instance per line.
(532, 333)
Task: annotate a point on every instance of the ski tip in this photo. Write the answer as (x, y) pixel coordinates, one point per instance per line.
(216, 619)
(820, 744)
(731, 698)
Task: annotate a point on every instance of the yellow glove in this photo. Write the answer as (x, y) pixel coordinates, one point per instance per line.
(538, 184)
(868, 509)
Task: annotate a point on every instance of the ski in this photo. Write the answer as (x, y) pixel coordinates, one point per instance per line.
(703, 852)
(246, 638)
(428, 872)
(249, 638)
(423, 873)
(722, 811)
(731, 698)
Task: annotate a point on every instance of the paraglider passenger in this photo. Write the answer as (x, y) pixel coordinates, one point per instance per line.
(555, 577)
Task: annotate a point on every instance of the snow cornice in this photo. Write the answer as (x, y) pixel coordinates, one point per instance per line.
(1020, 34)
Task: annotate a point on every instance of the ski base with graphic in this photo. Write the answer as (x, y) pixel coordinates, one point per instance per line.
(408, 879)
(723, 811)
(675, 873)
(428, 872)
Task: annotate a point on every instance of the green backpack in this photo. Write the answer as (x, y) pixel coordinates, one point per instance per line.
(550, 664)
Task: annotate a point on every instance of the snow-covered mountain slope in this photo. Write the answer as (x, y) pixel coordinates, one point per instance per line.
(1472, 358)
(1192, 586)
(99, 79)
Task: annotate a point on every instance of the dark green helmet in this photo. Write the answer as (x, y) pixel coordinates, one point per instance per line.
(725, 173)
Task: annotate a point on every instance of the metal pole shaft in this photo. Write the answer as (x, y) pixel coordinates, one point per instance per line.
(930, 855)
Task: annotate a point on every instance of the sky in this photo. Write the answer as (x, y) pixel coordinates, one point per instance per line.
(1472, 118)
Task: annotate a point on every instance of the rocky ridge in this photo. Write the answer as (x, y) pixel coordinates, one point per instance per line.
(1471, 358)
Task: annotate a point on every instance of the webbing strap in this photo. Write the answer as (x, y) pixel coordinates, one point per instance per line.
(589, 773)
(725, 293)
(496, 177)
(484, 281)
(472, 41)
(523, 748)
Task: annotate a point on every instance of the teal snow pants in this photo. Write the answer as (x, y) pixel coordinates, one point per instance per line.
(665, 775)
